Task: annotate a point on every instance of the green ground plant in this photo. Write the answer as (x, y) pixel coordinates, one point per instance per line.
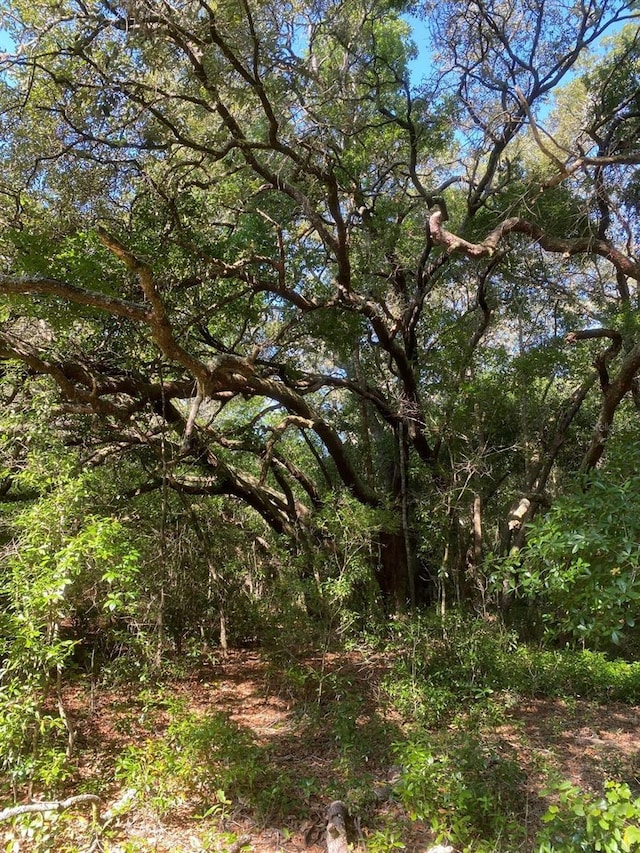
(584, 821)
(66, 560)
(209, 761)
(470, 796)
(455, 774)
(438, 663)
(453, 681)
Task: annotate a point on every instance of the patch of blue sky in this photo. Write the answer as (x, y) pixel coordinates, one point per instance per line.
(422, 62)
(7, 44)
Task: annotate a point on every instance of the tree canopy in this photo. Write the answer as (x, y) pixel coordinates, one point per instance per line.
(251, 256)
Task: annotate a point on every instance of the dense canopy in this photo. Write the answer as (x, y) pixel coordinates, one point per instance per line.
(297, 269)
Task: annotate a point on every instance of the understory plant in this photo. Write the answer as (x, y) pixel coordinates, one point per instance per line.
(64, 560)
(470, 796)
(207, 760)
(583, 821)
(580, 569)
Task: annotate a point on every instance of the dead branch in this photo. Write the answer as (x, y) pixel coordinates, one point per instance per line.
(54, 806)
(237, 846)
(337, 820)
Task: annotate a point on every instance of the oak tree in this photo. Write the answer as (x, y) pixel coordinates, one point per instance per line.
(258, 254)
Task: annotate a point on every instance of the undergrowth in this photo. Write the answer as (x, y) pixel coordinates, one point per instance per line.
(449, 687)
(208, 761)
(438, 663)
(454, 681)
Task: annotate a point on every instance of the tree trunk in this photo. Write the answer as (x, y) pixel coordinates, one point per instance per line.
(397, 550)
(393, 574)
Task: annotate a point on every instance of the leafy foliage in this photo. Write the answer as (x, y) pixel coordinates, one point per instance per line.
(291, 343)
(465, 794)
(66, 563)
(581, 564)
(584, 821)
(443, 664)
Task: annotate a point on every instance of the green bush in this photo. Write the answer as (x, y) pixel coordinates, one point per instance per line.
(439, 663)
(206, 759)
(581, 565)
(465, 793)
(65, 560)
(582, 821)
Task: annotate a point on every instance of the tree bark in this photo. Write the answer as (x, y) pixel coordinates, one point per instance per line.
(393, 572)
(618, 388)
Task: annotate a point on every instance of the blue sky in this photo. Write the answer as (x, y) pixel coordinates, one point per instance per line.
(421, 64)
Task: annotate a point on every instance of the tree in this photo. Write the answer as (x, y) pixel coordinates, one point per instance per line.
(242, 242)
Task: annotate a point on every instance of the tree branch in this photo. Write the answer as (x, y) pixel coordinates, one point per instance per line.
(514, 225)
(77, 295)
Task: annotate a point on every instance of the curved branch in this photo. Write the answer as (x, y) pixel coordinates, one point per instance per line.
(158, 319)
(616, 390)
(590, 334)
(11, 284)
(601, 362)
(558, 245)
(273, 506)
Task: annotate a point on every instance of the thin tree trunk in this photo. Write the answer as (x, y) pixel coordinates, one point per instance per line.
(64, 714)
(404, 502)
(365, 431)
(478, 577)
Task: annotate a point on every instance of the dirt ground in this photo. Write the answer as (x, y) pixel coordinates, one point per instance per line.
(579, 740)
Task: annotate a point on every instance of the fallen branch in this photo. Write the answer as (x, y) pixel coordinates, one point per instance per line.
(55, 806)
(237, 846)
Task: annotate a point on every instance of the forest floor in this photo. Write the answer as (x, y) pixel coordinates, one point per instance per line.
(288, 738)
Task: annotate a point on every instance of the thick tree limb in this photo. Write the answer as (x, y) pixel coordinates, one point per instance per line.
(93, 386)
(590, 334)
(78, 295)
(613, 391)
(558, 245)
(601, 362)
(158, 320)
(631, 158)
(557, 431)
(622, 383)
(235, 373)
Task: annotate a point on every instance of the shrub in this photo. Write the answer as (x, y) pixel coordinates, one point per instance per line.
(581, 565)
(464, 792)
(582, 821)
